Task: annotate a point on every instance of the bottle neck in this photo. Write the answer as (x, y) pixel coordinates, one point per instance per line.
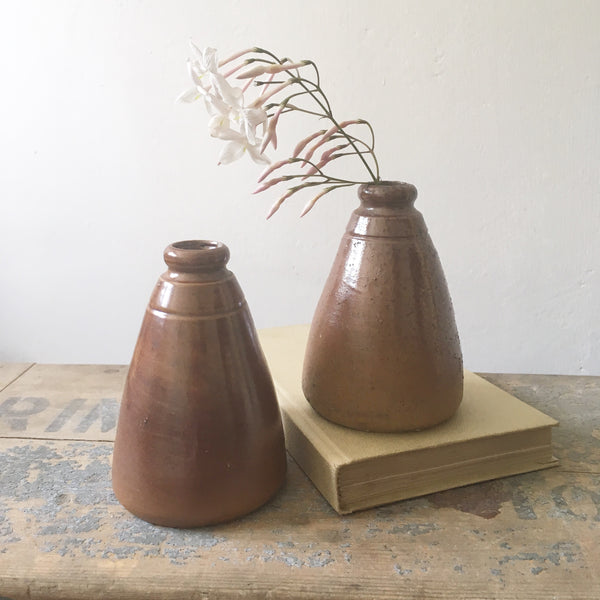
(196, 260)
(387, 195)
(387, 211)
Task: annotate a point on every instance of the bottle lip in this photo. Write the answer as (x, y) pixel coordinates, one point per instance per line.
(196, 255)
(398, 193)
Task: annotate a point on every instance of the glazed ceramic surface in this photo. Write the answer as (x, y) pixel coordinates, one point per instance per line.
(383, 352)
(199, 437)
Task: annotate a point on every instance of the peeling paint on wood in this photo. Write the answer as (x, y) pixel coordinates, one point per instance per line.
(63, 402)
(64, 535)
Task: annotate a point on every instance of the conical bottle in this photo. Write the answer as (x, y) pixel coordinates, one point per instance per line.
(383, 352)
(199, 437)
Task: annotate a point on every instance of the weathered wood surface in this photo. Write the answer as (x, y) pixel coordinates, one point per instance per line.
(64, 535)
(11, 371)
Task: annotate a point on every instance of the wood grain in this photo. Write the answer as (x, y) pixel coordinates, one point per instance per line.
(64, 536)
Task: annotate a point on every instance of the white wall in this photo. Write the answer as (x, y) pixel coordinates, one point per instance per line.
(491, 108)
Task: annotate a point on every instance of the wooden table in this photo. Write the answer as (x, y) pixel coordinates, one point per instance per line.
(64, 535)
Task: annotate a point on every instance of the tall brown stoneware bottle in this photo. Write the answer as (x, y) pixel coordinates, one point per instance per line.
(199, 438)
(383, 352)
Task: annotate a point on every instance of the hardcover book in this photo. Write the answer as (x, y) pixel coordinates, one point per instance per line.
(492, 435)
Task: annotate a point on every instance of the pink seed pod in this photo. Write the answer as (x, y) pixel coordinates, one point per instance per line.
(310, 204)
(272, 168)
(268, 184)
(303, 143)
(271, 69)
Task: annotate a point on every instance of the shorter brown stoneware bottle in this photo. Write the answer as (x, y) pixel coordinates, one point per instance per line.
(199, 438)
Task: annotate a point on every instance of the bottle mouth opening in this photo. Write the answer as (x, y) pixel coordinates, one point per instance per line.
(196, 255)
(195, 245)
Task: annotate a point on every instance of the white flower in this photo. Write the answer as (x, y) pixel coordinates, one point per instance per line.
(206, 58)
(238, 145)
(228, 105)
(226, 92)
(231, 120)
(208, 82)
(202, 70)
(220, 127)
(249, 119)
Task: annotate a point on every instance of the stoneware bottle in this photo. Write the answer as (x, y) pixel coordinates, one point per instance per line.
(199, 438)
(383, 352)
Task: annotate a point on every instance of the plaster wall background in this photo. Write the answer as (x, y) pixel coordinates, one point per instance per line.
(492, 109)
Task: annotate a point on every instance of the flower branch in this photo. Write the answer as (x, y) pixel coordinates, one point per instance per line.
(235, 118)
